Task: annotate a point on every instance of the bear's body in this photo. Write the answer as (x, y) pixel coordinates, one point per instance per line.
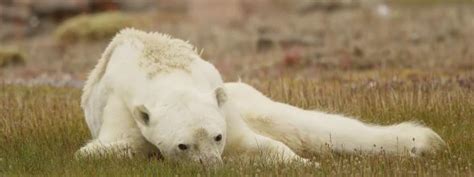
(150, 92)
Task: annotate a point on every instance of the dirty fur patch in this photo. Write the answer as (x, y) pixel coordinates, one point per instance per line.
(259, 120)
(161, 53)
(200, 133)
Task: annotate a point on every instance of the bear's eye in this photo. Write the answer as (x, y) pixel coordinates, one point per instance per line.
(145, 117)
(182, 147)
(218, 138)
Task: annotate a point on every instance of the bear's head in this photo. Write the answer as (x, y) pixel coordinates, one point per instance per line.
(186, 125)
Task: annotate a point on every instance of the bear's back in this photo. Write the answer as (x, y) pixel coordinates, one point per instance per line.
(158, 52)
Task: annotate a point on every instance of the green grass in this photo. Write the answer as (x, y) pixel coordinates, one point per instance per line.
(42, 127)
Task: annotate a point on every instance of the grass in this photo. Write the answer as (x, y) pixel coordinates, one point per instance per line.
(41, 127)
(416, 65)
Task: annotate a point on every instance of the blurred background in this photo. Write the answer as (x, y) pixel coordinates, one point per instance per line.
(57, 42)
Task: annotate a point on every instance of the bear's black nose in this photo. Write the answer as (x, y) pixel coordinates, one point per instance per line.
(218, 137)
(182, 146)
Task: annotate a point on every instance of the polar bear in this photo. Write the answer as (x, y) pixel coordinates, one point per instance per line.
(310, 133)
(151, 93)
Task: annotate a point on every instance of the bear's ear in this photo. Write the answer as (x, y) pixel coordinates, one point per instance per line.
(221, 96)
(142, 114)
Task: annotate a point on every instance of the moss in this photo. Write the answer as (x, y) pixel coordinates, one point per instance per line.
(91, 27)
(11, 56)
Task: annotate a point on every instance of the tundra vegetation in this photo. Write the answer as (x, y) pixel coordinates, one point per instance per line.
(417, 64)
(42, 127)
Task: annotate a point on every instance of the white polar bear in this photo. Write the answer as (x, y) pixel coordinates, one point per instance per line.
(151, 93)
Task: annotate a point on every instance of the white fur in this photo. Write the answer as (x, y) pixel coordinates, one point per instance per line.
(150, 73)
(311, 132)
(153, 74)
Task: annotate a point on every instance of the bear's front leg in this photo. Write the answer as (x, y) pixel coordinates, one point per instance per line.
(118, 135)
(122, 148)
(126, 148)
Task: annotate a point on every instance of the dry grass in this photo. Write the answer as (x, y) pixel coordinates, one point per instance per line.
(41, 127)
(415, 65)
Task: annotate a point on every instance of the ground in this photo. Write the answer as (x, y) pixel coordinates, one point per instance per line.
(42, 127)
(416, 64)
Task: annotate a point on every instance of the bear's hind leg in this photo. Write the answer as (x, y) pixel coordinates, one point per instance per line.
(241, 139)
(276, 150)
